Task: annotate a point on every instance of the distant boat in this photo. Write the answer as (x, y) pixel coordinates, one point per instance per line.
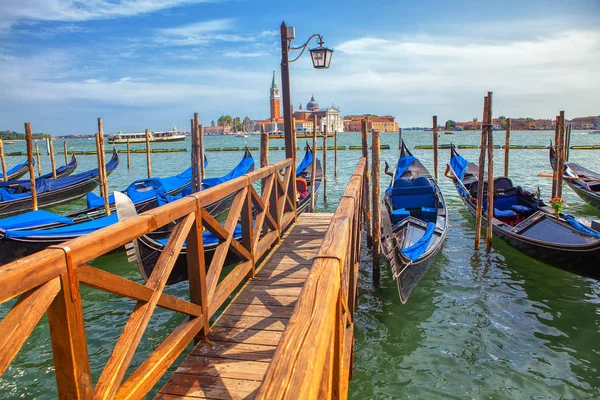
(448, 132)
(140, 137)
(594, 133)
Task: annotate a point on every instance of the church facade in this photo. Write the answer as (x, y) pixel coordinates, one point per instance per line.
(329, 117)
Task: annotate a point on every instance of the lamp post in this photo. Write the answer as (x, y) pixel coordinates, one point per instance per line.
(321, 59)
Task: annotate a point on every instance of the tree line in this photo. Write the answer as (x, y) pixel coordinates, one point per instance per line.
(12, 135)
(235, 122)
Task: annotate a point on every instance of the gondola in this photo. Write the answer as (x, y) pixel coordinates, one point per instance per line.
(15, 198)
(148, 249)
(63, 171)
(17, 171)
(528, 224)
(588, 188)
(414, 222)
(34, 231)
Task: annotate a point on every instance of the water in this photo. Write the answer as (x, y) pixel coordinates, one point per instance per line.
(478, 326)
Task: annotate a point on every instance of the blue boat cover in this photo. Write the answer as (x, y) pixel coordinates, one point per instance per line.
(210, 239)
(241, 169)
(46, 185)
(416, 250)
(306, 161)
(146, 189)
(403, 164)
(15, 169)
(71, 230)
(573, 222)
(459, 165)
(32, 218)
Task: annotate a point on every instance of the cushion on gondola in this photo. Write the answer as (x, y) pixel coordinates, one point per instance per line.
(33, 218)
(504, 214)
(429, 214)
(519, 209)
(415, 194)
(420, 247)
(399, 214)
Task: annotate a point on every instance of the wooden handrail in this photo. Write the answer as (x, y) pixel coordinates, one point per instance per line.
(49, 281)
(313, 357)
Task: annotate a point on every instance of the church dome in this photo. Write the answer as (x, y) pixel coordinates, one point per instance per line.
(312, 104)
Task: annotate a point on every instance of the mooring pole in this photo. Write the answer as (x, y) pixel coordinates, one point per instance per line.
(65, 151)
(29, 140)
(197, 156)
(264, 147)
(313, 166)
(435, 148)
(561, 154)
(4, 176)
(490, 192)
(506, 146)
(193, 155)
(325, 164)
(400, 139)
(52, 158)
(555, 145)
(128, 154)
(201, 153)
(37, 155)
(99, 160)
(568, 143)
(375, 149)
(102, 167)
(480, 178)
(365, 154)
(148, 161)
(335, 154)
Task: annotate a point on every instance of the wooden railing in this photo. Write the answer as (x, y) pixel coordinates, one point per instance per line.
(49, 281)
(313, 359)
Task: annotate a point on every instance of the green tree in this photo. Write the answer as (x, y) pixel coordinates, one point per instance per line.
(450, 124)
(475, 120)
(247, 122)
(212, 123)
(225, 120)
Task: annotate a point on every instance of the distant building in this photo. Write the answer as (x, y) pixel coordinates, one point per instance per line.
(304, 118)
(592, 122)
(385, 123)
(217, 130)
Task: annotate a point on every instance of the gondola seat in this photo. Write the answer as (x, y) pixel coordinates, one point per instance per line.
(399, 214)
(505, 214)
(429, 214)
(519, 209)
(412, 195)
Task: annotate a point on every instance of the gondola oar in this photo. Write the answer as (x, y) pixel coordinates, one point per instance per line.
(545, 175)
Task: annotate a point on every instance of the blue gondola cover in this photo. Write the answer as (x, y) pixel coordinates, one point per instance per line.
(573, 222)
(33, 218)
(416, 250)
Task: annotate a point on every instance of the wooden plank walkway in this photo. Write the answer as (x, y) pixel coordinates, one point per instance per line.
(241, 344)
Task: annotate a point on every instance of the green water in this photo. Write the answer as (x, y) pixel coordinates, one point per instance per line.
(478, 326)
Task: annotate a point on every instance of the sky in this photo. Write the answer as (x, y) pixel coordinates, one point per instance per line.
(153, 63)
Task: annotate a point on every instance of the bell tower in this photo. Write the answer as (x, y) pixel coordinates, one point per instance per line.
(275, 100)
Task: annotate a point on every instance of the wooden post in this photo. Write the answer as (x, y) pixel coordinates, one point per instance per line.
(103, 167)
(65, 151)
(193, 155)
(4, 176)
(198, 152)
(52, 158)
(490, 195)
(201, 153)
(506, 146)
(435, 148)
(365, 154)
(99, 161)
(264, 147)
(335, 154)
(313, 166)
(399, 138)
(561, 154)
(37, 155)
(480, 178)
(148, 162)
(568, 143)
(325, 164)
(375, 149)
(29, 140)
(128, 154)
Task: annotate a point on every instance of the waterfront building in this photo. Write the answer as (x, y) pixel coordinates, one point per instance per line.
(304, 117)
(384, 123)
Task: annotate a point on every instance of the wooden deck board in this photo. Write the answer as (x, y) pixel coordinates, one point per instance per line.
(231, 364)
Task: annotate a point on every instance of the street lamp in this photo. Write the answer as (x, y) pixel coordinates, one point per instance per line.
(321, 59)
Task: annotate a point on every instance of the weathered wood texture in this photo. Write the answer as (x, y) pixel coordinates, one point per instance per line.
(480, 178)
(52, 161)
(102, 167)
(435, 147)
(233, 361)
(29, 140)
(37, 155)
(507, 146)
(313, 357)
(4, 176)
(49, 281)
(490, 176)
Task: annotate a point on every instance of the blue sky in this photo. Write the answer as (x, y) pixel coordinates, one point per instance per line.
(153, 63)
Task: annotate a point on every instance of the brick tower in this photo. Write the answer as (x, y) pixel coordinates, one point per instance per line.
(275, 104)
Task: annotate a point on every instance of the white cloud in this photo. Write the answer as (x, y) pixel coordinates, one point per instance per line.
(13, 11)
(199, 33)
(199, 28)
(241, 54)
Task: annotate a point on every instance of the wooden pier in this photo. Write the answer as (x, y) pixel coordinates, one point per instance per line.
(232, 363)
(287, 333)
